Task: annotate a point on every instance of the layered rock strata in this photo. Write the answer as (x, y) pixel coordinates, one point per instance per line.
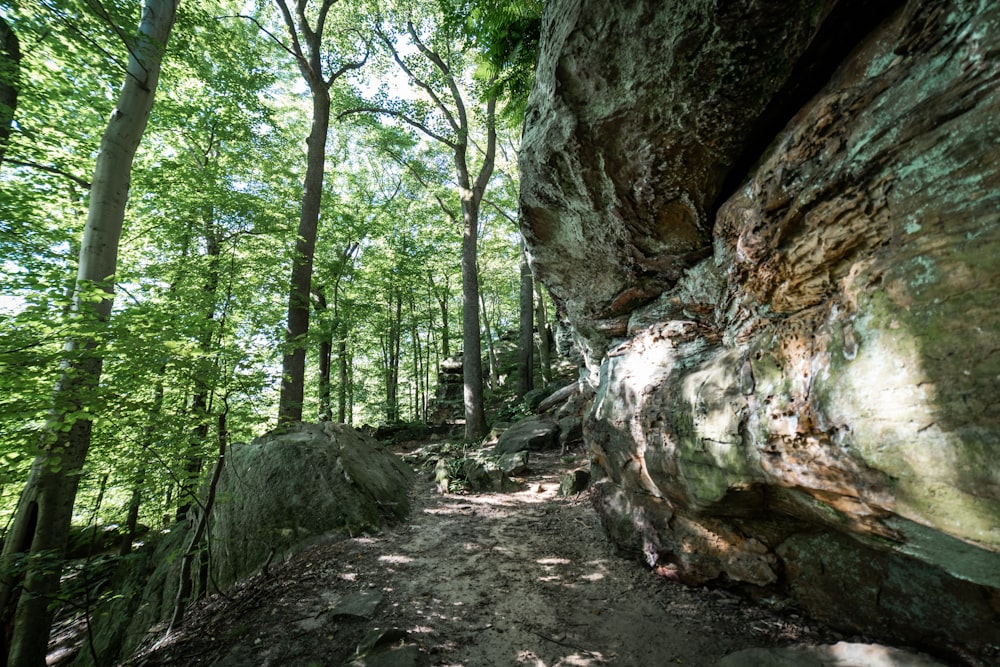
(775, 232)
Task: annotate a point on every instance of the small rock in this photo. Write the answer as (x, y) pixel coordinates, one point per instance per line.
(387, 648)
(574, 482)
(361, 605)
(515, 463)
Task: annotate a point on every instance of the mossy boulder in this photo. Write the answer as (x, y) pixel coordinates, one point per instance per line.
(531, 434)
(141, 591)
(287, 488)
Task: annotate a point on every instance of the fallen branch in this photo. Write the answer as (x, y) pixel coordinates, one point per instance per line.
(564, 644)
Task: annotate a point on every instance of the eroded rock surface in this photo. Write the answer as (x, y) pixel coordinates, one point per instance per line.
(297, 483)
(795, 379)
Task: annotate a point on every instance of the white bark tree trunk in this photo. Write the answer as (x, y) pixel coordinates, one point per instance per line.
(51, 490)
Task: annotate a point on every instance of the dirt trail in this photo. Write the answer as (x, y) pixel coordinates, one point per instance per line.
(524, 578)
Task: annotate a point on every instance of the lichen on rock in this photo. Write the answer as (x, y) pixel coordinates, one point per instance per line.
(800, 356)
(293, 485)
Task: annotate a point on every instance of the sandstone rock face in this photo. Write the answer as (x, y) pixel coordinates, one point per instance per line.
(794, 338)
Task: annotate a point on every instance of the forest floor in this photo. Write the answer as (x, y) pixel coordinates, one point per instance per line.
(520, 578)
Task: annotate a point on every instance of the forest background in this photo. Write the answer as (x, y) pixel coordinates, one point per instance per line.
(258, 274)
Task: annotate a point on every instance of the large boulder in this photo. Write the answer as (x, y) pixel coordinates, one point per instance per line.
(275, 495)
(536, 434)
(288, 487)
(792, 335)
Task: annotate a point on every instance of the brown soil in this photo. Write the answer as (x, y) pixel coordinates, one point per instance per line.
(524, 578)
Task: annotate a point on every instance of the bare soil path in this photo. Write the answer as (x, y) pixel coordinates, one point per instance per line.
(524, 578)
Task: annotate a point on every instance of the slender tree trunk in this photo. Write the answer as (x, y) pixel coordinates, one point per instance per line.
(343, 386)
(417, 361)
(293, 362)
(325, 355)
(186, 589)
(132, 518)
(396, 357)
(349, 374)
(92, 547)
(490, 352)
(442, 295)
(203, 379)
(431, 343)
(526, 341)
(325, 362)
(390, 356)
(544, 344)
(471, 196)
(57, 475)
(10, 81)
(135, 501)
(311, 60)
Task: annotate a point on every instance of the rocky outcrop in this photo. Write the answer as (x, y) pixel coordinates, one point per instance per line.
(536, 434)
(774, 231)
(294, 484)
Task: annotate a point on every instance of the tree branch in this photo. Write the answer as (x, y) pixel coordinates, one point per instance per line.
(403, 117)
(499, 210)
(323, 11)
(50, 169)
(344, 69)
(264, 30)
(423, 85)
(486, 171)
(101, 11)
(463, 121)
(296, 49)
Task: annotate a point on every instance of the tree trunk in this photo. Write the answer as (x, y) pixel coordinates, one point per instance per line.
(442, 295)
(204, 388)
(343, 386)
(135, 501)
(526, 341)
(293, 361)
(57, 474)
(349, 383)
(10, 81)
(544, 344)
(419, 397)
(186, 588)
(491, 354)
(132, 518)
(472, 357)
(325, 355)
(390, 356)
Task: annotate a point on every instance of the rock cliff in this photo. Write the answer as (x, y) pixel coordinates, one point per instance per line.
(774, 229)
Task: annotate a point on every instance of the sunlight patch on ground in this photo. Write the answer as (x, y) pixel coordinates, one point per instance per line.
(579, 660)
(554, 561)
(395, 559)
(586, 659)
(423, 629)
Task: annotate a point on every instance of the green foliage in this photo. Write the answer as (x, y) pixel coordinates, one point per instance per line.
(201, 286)
(505, 34)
